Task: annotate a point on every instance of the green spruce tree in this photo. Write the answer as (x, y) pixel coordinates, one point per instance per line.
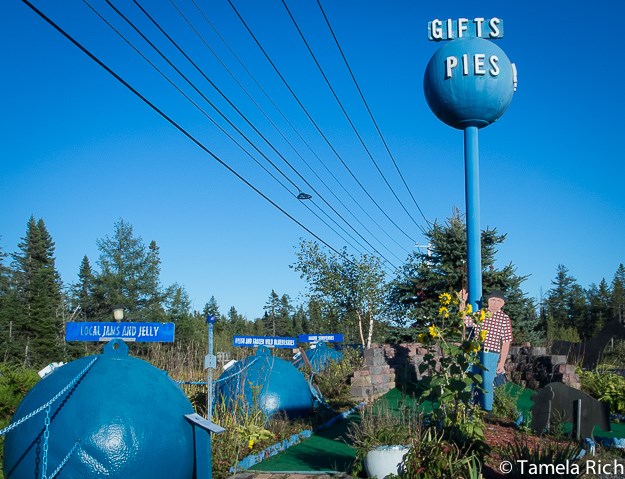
(39, 325)
(618, 294)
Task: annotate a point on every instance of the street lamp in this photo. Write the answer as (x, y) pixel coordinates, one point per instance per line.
(118, 312)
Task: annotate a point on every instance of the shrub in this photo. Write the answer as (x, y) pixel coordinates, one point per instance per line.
(431, 456)
(382, 427)
(334, 382)
(505, 403)
(15, 382)
(605, 386)
(544, 459)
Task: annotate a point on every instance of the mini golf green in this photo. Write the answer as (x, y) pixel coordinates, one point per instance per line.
(329, 450)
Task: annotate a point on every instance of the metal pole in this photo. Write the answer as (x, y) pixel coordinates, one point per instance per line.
(472, 197)
(210, 363)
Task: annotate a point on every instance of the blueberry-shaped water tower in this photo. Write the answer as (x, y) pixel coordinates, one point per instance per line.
(468, 84)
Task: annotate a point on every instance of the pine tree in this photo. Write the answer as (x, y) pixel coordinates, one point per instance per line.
(413, 297)
(270, 318)
(618, 294)
(212, 308)
(565, 307)
(39, 327)
(129, 275)
(599, 311)
(285, 322)
(10, 310)
(83, 299)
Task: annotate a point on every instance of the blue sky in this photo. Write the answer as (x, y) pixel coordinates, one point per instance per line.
(80, 151)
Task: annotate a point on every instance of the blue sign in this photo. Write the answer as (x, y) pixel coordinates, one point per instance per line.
(133, 332)
(210, 319)
(268, 341)
(320, 338)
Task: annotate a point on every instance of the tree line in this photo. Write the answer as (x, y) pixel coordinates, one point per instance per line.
(347, 294)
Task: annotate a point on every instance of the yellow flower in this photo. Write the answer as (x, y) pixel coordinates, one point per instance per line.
(443, 311)
(483, 334)
(444, 298)
(250, 444)
(434, 332)
(481, 316)
(469, 309)
(422, 338)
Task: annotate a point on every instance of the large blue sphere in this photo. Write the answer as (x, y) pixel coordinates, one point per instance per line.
(125, 419)
(469, 82)
(265, 382)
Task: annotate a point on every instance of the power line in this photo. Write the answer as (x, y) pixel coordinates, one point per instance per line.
(315, 123)
(339, 183)
(278, 130)
(347, 117)
(234, 140)
(375, 123)
(157, 25)
(172, 122)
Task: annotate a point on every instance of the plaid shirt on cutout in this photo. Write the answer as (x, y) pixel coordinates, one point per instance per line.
(499, 327)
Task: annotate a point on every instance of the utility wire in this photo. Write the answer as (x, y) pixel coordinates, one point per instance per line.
(176, 125)
(157, 25)
(190, 60)
(172, 83)
(347, 117)
(375, 123)
(201, 37)
(339, 183)
(315, 123)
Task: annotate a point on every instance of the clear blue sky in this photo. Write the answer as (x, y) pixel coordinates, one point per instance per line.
(80, 151)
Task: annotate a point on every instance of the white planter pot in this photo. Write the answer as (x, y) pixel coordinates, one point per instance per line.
(384, 460)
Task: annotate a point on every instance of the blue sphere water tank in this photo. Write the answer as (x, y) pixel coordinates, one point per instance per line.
(265, 382)
(122, 419)
(319, 358)
(469, 82)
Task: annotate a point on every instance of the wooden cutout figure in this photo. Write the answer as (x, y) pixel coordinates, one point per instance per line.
(558, 398)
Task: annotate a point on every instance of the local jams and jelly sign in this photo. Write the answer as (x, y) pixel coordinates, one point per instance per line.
(132, 332)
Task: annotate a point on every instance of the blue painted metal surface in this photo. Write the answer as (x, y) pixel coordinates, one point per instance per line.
(469, 82)
(472, 197)
(267, 383)
(124, 417)
(319, 358)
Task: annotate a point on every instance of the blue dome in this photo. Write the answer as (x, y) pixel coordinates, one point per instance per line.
(123, 419)
(266, 382)
(319, 358)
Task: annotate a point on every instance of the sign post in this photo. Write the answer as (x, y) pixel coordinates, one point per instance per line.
(468, 84)
(210, 363)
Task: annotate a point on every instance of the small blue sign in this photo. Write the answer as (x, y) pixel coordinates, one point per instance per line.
(320, 338)
(133, 332)
(268, 341)
(210, 319)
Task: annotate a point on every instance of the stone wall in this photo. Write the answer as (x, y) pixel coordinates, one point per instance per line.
(532, 367)
(375, 379)
(388, 365)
